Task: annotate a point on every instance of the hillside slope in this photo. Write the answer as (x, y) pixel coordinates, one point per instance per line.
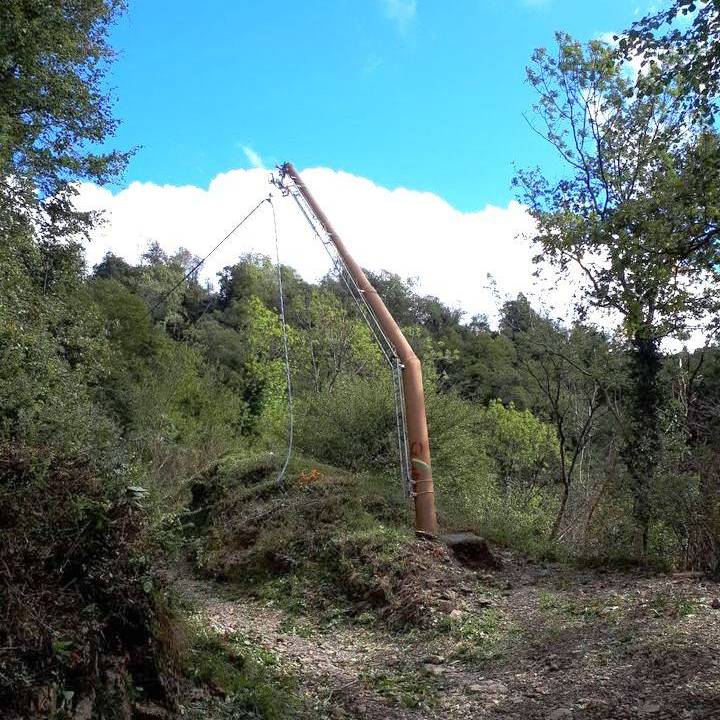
(430, 638)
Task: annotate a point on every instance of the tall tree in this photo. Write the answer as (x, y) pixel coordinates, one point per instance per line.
(636, 213)
(55, 112)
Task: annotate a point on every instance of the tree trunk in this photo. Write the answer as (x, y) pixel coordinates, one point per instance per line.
(643, 441)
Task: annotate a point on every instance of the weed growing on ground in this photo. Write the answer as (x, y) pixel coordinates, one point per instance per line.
(479, 637)
(666, 603)
(407, 688)
(290, 625)
(241, 679)
(606, 610)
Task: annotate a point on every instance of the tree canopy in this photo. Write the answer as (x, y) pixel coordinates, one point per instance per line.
(635, 214)
(680, 44)
(55, 112)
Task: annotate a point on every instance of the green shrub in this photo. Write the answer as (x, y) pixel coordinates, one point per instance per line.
(490, 466)
(52, 358)
(350, 426)
(76, 618)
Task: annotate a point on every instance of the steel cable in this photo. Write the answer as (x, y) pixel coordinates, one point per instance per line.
(283, 325)
(200, 262)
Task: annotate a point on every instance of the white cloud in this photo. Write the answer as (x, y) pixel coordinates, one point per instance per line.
(253, 157)
(414, 234)
(472, 260)
(402, 12)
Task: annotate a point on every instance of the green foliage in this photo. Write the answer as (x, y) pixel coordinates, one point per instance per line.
(331, 343)
(182, 420)
(523, 449)
(51, 357)
(568, 609)
(246, 681)
(670, 604)
(73, 603)
(409, 689)
(352, 425)
(487, 369)
(481, 637)
(54, 111)
(492, 467)
(636, 207)
(686, 55)
(636, 215)
(154, 282)
(126, 321)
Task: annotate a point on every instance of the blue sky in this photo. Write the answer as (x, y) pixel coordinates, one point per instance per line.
(427, 95)
(404, 116)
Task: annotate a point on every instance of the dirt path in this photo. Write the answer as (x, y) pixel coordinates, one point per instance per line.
(525, 642)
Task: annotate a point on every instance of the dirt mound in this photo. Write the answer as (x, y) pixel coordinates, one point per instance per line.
(323, 535)
(77, 624)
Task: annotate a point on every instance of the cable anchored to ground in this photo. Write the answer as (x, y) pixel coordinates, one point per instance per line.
(283, 325)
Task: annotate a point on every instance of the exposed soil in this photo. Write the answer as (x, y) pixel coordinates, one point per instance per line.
(525, 641)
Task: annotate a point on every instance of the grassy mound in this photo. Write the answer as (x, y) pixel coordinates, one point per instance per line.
(78, 623)
(323, 538)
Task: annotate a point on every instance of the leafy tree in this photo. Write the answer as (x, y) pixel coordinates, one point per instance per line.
(572, 371)
(126, 319)
(53, 357)
(171, 291)
(637, 215)
(492, 466)
(332, 343)
(352, 425)
(487, 370)
(696, 390)
(685, 54)
(54, 112)
(116, 268)
(522, 447)
(255, 275)
(399, 295)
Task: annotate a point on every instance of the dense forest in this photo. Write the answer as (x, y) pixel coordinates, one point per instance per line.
(526, 419)
(122, 385)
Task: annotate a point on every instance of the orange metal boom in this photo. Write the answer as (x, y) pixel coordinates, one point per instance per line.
(416, 422)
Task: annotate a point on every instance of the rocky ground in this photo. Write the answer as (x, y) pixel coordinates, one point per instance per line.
(526, 641)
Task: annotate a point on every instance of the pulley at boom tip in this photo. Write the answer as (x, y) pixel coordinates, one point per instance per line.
(279, 182)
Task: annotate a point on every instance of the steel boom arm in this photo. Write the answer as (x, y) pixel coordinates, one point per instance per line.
(414, 396)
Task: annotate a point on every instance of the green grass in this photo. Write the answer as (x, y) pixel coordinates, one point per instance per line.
(407, 688)
(586, 610)
(662, 603)
(665, 603)
(241, 680)
(293, 625)
(478, 637)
